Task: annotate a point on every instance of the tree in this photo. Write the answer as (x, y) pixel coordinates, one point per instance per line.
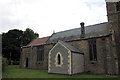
(13, 40)
(28, 36)
(11, 44)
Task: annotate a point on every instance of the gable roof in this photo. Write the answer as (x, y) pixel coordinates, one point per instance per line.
(74, 34)
(70, 47)
(38, 41)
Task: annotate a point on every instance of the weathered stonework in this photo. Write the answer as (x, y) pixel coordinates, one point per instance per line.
(47, 48)
(114, 24)
(108, 50)
(71, 62)
(105, 54)
(106, 63)
(25, 53)
(61, 60)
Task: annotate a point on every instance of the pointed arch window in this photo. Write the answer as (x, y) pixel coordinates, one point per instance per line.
(40, 53)
(58, 59)
(92, 50)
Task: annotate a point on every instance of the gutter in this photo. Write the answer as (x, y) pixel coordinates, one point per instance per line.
(69, 40)
(80, 39)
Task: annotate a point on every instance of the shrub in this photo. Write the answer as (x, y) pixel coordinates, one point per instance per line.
(15, 62)
(4, 63)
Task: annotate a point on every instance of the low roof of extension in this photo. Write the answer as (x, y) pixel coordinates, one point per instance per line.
(38, 41)
(70, 47)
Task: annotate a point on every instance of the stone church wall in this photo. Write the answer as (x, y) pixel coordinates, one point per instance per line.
(32, 58)
(65, 61)
(25, 53)
(106, 63)
(47, 48)
(77, 63)
(114, 24)
(104, 49)
(111, 57)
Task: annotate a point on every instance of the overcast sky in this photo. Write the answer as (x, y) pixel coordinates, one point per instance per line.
(44, 16)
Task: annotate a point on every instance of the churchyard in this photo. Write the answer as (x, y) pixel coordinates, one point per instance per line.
(13, 71)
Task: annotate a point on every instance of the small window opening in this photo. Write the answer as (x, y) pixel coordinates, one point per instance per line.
(59, 59)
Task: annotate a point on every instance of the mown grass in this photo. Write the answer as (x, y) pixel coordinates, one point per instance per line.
(14, 71)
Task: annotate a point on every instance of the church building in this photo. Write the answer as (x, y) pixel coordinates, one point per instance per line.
(89, 49)
(65, 59)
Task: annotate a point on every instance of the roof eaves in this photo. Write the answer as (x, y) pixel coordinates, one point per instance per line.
(70, 47)
(96, 24)
(82, 38)
(78, 52)
(90, 37)
(25, 46)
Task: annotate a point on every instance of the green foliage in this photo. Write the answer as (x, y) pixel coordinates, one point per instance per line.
(15, 63)
(4, 60)
(14, 71)
(4, 63)
(28, 36)
(13, 40)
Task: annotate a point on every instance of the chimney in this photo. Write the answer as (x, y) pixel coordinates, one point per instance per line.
(82, 29)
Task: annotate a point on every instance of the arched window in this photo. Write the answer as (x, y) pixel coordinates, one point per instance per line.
(92, 49)
(26, 62)
(58, 59)
(40, 53)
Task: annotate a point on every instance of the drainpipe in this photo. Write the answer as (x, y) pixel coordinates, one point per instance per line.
(31, 56)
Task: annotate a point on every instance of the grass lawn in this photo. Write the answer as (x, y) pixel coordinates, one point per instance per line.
(14, 71)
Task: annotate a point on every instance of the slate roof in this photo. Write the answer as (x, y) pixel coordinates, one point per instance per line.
(74, 34)
(70, 47)
(38, 41)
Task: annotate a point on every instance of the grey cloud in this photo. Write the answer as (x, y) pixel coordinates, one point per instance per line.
(97, 3)
(28, 13)
(8, 18)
